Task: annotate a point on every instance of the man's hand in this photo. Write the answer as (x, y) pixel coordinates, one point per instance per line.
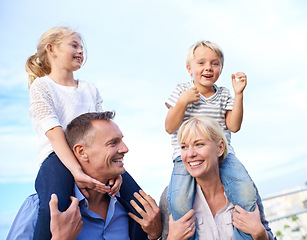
(65, 225)
(183, 228)
(151, 217)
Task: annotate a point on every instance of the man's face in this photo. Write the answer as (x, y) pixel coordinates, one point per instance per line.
(106, 151)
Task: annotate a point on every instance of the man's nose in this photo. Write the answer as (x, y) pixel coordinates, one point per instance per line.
(123, 148)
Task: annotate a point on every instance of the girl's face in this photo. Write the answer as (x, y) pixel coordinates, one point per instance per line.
(69, 53)
(205, 68)
(200, 155)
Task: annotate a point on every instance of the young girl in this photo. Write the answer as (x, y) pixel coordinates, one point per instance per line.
(56, 98)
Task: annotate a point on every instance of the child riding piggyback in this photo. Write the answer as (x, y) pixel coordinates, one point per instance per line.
(202, 97)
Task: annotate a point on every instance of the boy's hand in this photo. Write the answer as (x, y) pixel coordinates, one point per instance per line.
(84, 181)
(239, 82)
(117, 182)
(189, 96)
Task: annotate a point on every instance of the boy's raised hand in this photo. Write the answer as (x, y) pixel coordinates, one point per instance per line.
(239, 81)
(189, 96)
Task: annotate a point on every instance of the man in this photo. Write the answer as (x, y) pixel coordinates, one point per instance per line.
(98, 145)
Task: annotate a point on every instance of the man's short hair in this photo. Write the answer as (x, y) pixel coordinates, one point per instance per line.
(78, 130)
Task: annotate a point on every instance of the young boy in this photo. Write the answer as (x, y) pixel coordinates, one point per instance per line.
(202, 97)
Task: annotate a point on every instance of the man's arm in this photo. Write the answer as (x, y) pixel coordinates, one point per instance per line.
(25, 220)
(65, 225)
(151, 217)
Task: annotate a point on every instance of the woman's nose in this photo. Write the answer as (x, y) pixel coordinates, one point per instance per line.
(191, 152)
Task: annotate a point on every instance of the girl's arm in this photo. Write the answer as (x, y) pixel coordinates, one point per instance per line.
(234, 117)
(250, 223)
(59, 144)
(175, 114)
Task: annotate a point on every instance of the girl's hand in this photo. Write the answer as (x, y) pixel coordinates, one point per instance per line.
(115, 183)
(239, 82)
(183, 228)
(84, 181)
(249, 222)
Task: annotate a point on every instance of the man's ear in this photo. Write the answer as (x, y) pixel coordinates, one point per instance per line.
(80, 152)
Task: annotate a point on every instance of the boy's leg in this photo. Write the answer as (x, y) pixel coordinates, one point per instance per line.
(181, 190)
(239, 188)
(238, 185)
(53, 177)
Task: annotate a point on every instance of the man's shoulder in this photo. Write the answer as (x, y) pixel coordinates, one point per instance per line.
(25, 220)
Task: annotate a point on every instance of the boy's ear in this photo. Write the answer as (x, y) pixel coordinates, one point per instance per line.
(80, 152)
(189, 69)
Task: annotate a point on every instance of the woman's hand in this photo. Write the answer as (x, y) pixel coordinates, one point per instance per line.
(115, 183)
(183, 228)
(249, 222)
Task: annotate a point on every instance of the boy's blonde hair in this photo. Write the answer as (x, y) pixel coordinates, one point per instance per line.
(38, 64)
(208, 44)
(208, 127)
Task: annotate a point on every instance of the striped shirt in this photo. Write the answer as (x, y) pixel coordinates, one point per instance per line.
(214, 107)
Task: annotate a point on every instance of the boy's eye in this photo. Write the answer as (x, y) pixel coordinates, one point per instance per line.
(215, 64)
(201, 63)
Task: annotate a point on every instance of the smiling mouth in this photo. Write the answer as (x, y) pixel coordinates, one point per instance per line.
(193, 164)
(79, 59)
(118, 160)
(208, 75)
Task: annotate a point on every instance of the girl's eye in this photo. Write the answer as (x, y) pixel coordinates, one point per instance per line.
(201, 63)
(183, 147)
(200, 144)
(74, 45)
(215, 64)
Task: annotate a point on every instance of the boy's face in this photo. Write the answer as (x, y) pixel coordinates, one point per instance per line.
(205, 68)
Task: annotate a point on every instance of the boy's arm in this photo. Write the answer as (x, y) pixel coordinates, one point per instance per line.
(175, 114)
(234, 117)
(59, 144)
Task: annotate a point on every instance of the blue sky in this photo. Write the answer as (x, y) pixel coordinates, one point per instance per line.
(136, 55)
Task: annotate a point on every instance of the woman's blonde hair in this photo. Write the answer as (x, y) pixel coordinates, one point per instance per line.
(213, 46)
(38, 64)
(208, 127)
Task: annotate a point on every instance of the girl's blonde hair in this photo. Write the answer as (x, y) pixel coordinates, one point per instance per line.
(208, 127)
(38, 64)
(213, 46)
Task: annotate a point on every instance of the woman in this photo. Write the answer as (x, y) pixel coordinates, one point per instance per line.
(203, 148)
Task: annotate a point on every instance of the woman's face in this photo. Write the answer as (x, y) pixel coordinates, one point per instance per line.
(200, 155)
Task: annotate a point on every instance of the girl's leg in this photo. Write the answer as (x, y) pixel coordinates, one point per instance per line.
(53, 177)
(239, 187)
(181, 191)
